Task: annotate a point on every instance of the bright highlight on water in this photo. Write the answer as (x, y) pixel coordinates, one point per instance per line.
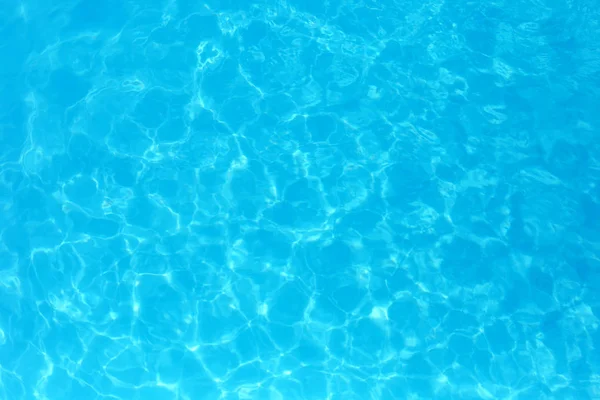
(299, 200)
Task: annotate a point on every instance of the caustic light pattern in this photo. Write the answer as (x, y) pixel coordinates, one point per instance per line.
(299, 200)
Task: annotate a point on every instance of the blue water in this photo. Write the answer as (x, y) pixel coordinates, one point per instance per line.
(316, 200)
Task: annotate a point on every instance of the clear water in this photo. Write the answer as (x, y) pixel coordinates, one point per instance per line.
(299, 200)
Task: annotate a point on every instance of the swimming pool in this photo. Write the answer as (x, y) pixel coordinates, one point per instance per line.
(299, 200)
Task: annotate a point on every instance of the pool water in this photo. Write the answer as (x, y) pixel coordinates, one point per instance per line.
(301, 199)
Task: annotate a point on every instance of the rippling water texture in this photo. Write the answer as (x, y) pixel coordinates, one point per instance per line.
(303, 199)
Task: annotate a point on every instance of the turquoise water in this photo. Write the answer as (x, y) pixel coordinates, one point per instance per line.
(320, 200)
